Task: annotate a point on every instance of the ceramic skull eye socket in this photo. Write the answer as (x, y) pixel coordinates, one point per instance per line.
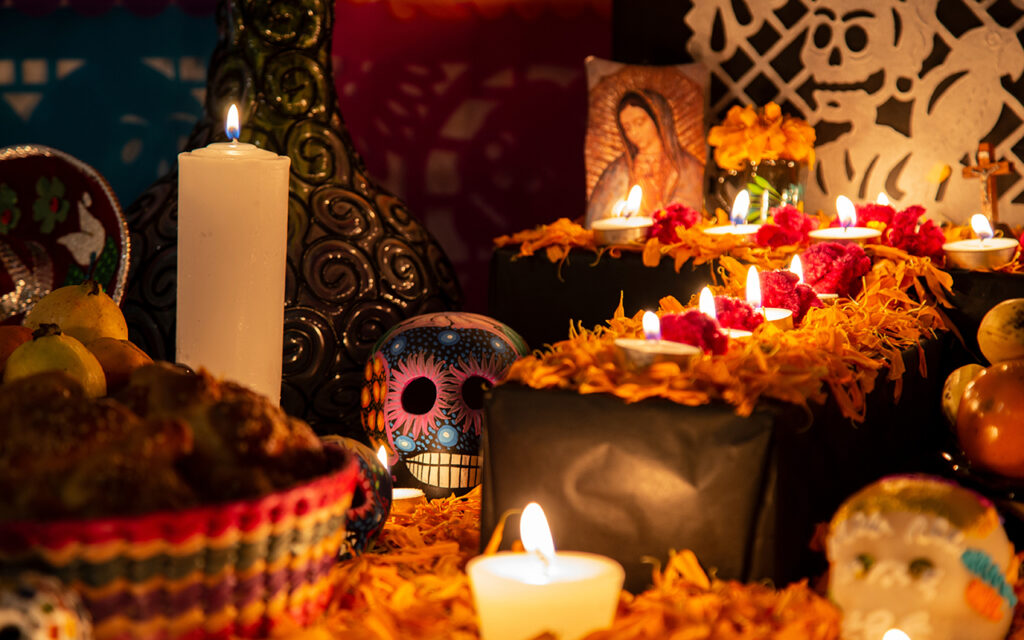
(423, 396)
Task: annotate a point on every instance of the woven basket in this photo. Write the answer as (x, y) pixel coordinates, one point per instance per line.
(235, 569)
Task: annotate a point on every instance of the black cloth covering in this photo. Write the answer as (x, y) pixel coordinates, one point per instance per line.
(633, 481)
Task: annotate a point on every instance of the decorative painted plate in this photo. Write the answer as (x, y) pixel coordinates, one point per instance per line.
(60, 223)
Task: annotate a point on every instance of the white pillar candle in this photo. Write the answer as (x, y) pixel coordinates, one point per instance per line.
(232, 248)
(522, 595)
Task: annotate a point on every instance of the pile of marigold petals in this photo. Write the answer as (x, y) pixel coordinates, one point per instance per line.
(684, 603)
(557, 239)
(411, 583)
(841, 346)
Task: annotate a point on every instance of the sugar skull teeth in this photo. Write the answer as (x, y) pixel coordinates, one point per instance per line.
(446, 470)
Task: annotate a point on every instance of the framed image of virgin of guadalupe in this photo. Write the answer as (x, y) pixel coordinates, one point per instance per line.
(645, 126)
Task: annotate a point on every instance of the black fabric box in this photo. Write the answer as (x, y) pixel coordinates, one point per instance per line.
(539, 299)
(631, 481)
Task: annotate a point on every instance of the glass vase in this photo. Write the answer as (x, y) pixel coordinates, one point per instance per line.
(770, 183)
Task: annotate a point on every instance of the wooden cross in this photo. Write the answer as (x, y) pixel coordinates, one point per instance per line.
(987, 170)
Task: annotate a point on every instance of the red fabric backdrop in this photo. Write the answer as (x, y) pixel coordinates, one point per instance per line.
(473, 112)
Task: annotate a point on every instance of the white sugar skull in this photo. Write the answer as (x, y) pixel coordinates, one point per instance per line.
(38, 607)
(423, 396)
(924, 556)
(855, 48)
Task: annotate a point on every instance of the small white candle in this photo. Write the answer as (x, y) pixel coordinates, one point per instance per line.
(983, 252)
(623, 227)
(522, 595)
(781, 318)
(636, 353)
(740, 207)
(706, 304)
(403, 499)
(797, 267)
(845, 232)
(232, 249)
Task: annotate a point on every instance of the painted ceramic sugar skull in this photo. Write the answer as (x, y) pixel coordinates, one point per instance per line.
(924, 556)
(38, 607)
(423, 396)
(371, 500)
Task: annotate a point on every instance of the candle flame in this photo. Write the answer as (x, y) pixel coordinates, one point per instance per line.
(883, 199)
(629, 206)
(895, 634)
(740, 207)
(981, 226)
(846, 211)
(535, 533)
(652, 326)
(706, 304)
(797, 267)
(753, 287)
(232, 128)
(382, 455)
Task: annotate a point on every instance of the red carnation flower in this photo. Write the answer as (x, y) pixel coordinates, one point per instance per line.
(666, 220)
(905, 233)
(734, 313)
(693, 327)
(789, 226)
(872, 212)
(783, 290)
(835, 267)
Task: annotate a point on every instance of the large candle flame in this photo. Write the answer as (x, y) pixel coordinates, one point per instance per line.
(740, 207)
(231, 127)
(706, 304)
(629, 206)
(797, 267)
(981, 226)
(652, 326)
(895, 634)
(753, 287)
(847, 213)
(382, 455)
(535, 533)
(883, 199)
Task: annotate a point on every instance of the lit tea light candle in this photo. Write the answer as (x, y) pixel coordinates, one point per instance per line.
(623, 227)
(845, 232)
(524, 595)
(637, 354)
(983, 252)
(403, 499)
(706, 304)
(781, 318)
(232, 249)
(797, 267)
(740, 208)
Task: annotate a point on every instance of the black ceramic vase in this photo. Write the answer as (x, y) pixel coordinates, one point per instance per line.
(358, 262)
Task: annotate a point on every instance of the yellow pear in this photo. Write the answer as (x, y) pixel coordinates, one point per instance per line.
(50, 350)
(82, 311)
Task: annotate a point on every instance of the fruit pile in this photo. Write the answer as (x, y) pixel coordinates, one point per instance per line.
(987, 404)
(79, 330)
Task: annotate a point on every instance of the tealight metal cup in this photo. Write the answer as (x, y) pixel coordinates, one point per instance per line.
(637, 354)
(980, 254)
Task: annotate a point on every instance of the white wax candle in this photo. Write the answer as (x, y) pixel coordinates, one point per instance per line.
(405, 499)
(618, 224)
(781, 318)
(733, 230)
(519, 596)
(232, 249)
(845, 234)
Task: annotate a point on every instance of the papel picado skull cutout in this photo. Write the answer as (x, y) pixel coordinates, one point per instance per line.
(423, 396)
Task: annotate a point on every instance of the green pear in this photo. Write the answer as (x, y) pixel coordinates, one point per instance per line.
(82, 311)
